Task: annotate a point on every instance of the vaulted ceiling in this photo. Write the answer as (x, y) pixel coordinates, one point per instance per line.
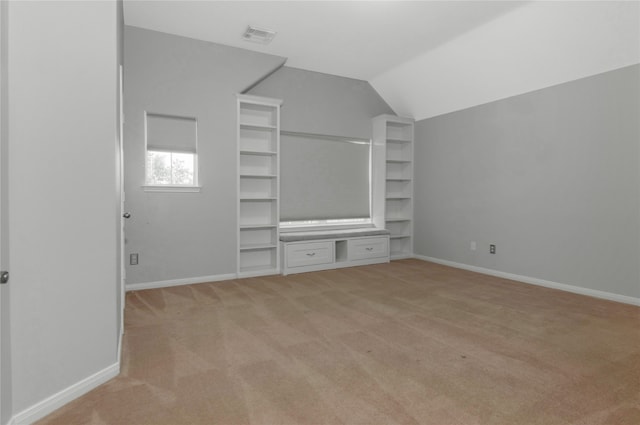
(425, 58)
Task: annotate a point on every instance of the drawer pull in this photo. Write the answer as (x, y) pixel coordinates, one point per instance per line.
(369, 248)
(310, 254)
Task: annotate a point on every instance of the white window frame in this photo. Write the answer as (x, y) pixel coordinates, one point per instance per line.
(154, 187)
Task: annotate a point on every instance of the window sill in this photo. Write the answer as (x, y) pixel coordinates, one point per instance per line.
(311, 228)
(167, 188)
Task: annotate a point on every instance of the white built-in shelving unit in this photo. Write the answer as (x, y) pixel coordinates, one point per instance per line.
(258, 185)
(393, 150)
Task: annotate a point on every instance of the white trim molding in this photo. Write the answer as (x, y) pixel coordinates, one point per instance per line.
(169, 188)
(120, 337)
(258, 273)
(535, 281)
(179, 282)
(48, 405)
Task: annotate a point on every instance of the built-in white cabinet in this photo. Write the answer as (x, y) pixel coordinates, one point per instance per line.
(393, 205)
(313, 255)
(258, 185)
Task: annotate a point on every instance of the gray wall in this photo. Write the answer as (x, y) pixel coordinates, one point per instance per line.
(62, 190)
(323, 103)
(185, 235)
(551, 177)
(191, 235)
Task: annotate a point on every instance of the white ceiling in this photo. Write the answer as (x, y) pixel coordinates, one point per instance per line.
(357, 39)
(532, 47)
(424, 57)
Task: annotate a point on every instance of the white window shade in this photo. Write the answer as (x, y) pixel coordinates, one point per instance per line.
(324, 177)
(171, 133)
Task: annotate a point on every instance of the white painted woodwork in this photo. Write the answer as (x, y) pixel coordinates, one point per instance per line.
(258, 186)
(325, 254)
(393, 138)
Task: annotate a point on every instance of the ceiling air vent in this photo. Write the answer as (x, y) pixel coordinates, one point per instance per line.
(258, 35)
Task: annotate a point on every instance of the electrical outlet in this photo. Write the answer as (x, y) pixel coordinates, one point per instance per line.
(492, 249)
(472, 246)
(133, 259)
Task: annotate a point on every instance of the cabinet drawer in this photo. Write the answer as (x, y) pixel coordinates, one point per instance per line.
(307, 254)
(360, 249)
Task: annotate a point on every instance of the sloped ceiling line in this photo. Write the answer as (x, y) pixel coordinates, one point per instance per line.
(264, 77)
(425, 58)
(530, 48)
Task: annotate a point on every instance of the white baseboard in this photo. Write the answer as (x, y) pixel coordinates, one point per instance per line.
(402, 256)
(178, 282)
(265, 272)
(119, 353)
(535, 281)
(43, 408)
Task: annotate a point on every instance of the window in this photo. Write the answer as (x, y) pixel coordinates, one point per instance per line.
(325, 180)
(172, 168)
(171, 156)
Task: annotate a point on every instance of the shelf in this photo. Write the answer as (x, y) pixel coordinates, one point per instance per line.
(258, 113)
(400, 255)
(258, 213)
(251, 165)
(395, 135)
(258, 176)
(256, 247)
(254, 260)
(399, 246)
(258, 141)
(398, 170)
(257, 226)
(258, 153)
(266, 270)
(257, 126)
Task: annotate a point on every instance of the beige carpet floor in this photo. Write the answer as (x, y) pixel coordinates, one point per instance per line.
(408, 342)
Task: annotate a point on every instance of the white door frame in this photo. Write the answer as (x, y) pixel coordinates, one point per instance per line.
(122, 199)
(3, 141)
(4, 345)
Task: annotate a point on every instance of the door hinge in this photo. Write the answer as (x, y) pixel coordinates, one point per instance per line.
(4, 277)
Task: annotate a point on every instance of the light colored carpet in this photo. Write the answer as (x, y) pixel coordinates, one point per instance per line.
(408, 342)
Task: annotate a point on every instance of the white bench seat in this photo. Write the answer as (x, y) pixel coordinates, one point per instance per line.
(331, 234)
(331, 249)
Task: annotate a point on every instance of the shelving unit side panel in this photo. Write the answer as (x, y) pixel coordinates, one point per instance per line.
(379, 174)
